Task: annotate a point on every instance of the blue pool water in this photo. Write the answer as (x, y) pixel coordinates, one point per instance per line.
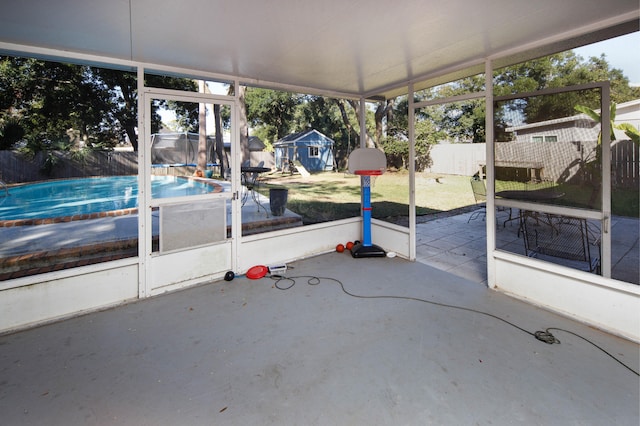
(69, 197)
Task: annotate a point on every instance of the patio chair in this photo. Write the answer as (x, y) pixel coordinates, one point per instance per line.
(250, 180)
(480, 195)
(560, 239)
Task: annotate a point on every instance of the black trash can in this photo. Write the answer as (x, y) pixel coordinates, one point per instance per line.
(278, 200)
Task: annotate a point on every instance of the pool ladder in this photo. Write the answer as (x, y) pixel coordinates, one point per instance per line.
(6, 188)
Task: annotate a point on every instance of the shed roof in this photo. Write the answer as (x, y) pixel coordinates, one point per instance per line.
(293, 138)
(353, 48)
(255, 144)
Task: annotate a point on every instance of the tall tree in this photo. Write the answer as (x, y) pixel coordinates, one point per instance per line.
(396, 141)
(122, 97)
(52, 101)
(356, 107)
(123, 100)
(271, 110)
(561, 70)
(223, 161)
(243, 116)
(202, 129)
(384, 110)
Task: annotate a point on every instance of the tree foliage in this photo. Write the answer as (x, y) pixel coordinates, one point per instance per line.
(271, 111)
(629, 130)
(53, 104)
(561, 70)
(46, 104)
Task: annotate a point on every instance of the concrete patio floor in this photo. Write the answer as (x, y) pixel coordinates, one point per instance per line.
(246, 353)
(458, 245)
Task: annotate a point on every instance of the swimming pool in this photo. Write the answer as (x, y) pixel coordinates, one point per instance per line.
(87, 198)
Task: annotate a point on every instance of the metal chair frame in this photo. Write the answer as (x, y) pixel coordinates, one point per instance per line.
(552, 237)
(480, 195)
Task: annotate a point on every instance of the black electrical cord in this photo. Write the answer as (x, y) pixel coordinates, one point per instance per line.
(544, 336)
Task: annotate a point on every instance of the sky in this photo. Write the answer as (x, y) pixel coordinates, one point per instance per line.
(621, 52)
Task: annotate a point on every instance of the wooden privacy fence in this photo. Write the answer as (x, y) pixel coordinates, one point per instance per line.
(17, 168)
(561, 160)
(456, 159)
(625, 164)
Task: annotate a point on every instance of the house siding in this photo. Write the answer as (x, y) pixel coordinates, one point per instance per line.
(296, 147)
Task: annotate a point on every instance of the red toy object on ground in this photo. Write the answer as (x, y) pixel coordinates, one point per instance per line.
(349, 245)
(257, 272)
(340, 248)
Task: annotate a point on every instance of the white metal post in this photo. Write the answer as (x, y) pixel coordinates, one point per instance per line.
(144, 223)
(605, 129)
(363, 123)
(412, 176)
(490, 161)
(236, 203)
(363, 140)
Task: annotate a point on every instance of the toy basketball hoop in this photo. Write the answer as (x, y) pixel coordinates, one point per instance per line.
(367, 162)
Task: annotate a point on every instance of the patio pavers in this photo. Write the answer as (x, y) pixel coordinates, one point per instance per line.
(454, 245)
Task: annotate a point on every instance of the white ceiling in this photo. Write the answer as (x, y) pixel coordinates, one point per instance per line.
(358, 47)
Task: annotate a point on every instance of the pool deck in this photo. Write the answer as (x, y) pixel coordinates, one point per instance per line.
(26, 250)
(451, 243)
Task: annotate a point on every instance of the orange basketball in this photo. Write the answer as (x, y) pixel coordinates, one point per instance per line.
(349, 245)
(339, 248)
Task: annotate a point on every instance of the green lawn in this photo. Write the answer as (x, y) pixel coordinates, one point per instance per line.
(330, 196)
(624, 202)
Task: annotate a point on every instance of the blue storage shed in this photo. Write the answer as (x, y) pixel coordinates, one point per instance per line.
(311, 148)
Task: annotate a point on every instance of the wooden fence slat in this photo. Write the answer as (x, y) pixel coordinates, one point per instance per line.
(461, 159)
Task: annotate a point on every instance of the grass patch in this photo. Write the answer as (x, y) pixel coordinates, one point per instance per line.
(327, 196)
(624, 202)
(330, 196)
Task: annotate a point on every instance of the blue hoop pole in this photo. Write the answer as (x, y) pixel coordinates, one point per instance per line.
(366, 211)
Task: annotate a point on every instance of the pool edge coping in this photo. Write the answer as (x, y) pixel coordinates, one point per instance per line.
(10, 223)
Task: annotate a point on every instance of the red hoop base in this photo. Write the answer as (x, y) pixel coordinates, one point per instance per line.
(368, 172)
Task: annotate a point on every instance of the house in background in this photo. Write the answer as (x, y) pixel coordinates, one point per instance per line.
(572, 140)
(576, 127)
(255, 144)
(628, 112)
(311, 148)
